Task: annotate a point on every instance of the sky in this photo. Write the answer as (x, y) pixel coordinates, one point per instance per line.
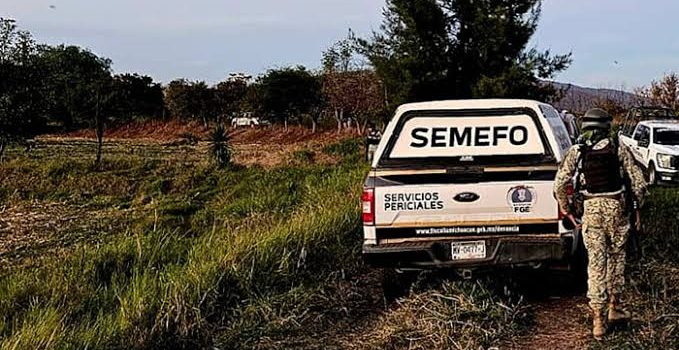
(620, 44)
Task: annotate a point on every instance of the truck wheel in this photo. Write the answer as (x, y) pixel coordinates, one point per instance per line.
(652, 175)
(396, 284)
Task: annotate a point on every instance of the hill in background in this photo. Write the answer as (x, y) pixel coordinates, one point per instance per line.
(578, 99)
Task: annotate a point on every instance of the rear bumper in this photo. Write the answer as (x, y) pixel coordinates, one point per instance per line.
(501, 251)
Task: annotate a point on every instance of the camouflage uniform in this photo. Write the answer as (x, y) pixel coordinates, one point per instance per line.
(605, 225)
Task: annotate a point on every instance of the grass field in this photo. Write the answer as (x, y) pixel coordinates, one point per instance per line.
(160, 249)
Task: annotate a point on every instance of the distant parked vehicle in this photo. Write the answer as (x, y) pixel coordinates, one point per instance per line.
(247, 119)
(655, 145)
(570, 121)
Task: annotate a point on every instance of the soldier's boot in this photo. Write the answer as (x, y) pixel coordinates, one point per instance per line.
(616, 313)
(598, 324)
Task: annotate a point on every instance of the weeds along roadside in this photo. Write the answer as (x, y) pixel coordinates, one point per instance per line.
(281, 228)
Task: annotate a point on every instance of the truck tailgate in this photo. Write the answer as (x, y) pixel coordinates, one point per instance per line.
(476, 204)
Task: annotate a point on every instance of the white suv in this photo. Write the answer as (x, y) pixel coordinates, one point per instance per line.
(655, 145)
(465, 184)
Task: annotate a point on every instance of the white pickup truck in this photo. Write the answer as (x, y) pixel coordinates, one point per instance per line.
(247, 119)
(467, 184)
(655, 145)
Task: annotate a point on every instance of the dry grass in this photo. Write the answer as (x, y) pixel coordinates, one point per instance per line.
(174, 130)
(454, 315)
(31, 230)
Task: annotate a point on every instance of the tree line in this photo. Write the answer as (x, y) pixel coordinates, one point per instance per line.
(423, 50)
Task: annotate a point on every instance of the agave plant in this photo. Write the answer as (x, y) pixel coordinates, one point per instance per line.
(220, 149)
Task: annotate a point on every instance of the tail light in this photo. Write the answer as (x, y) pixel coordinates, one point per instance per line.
(368, 204)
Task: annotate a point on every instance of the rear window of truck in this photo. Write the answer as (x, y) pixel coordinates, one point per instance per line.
(467, 138)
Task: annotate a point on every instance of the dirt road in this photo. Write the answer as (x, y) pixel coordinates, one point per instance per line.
(559, 323)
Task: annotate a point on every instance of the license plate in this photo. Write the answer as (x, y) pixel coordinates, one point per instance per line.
(468, 250)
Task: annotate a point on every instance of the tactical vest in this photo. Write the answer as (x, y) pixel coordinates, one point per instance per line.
(601, 169)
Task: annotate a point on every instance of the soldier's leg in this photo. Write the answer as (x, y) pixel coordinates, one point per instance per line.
(616, 265)
(594, 236)
(616, 254)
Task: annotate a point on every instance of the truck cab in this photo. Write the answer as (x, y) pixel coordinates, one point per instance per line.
(467, 184)
(655, 146)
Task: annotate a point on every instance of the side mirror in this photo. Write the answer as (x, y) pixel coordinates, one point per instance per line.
(644, 143)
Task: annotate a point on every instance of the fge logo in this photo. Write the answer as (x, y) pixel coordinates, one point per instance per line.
(521, 199)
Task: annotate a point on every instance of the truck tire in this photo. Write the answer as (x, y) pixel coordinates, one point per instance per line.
(652, 175)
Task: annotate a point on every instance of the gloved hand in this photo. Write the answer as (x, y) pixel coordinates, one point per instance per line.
(573, 220)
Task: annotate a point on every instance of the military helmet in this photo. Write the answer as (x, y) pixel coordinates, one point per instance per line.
(596, 118)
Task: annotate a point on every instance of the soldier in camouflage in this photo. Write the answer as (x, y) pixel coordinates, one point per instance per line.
(600, 164)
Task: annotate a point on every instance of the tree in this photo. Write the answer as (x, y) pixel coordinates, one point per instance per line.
(82, 90)
(664, 92)
(289, 93)
(138, 97)
(178, 98)
(230, 94)
(74, 76)
(442, 49)
(22, 92)
(614, 107)
(108, 103)
(368, 100)
(336, 80)
(357, 93)
(203, 102)
(341, 56)
(348, 88)
(194, 100)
